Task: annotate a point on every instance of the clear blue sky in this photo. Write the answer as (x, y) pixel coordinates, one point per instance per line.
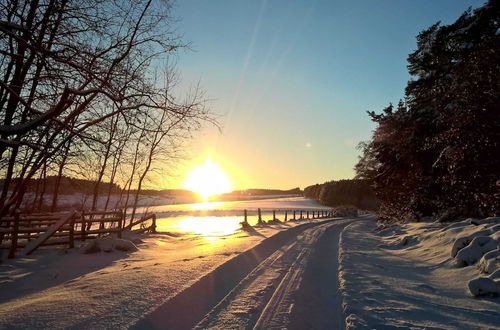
(294, 79)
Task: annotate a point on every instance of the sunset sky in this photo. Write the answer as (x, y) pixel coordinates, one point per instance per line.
(293, 81)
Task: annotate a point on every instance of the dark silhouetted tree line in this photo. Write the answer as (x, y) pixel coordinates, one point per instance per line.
(355, 192)
(438, 152)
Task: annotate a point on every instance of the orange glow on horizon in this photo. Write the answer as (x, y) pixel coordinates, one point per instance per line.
(207, 180)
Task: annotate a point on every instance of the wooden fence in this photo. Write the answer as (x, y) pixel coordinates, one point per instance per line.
(31, 231)
(34, 230)
(290, 215)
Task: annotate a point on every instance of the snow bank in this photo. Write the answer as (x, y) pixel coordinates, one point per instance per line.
(479, 244)
(404, 276)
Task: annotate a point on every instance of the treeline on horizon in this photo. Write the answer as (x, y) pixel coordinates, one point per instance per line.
(52, 187)
(69, 185)
(352, 192)
(437, 153)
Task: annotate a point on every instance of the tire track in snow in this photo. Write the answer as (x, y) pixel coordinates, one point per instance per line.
(266, 298)
(268, 262)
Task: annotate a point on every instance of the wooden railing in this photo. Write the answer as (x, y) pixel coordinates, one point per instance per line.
(142, 223)
(34, 230)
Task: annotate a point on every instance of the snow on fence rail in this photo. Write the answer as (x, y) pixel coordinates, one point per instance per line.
(34, 230)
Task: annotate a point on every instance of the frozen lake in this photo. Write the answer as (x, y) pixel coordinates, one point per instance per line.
(223, 218)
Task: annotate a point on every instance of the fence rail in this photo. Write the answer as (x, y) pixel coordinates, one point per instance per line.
(31, 231)
(294, 215)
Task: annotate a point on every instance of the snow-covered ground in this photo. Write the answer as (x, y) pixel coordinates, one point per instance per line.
(310, 274)
(59, 288)
(406, 276)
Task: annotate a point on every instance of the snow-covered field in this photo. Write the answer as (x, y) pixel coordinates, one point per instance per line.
(60, 288)
(310, 274)
(406, 276)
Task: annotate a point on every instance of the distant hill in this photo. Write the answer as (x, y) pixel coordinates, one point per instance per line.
(256, 193)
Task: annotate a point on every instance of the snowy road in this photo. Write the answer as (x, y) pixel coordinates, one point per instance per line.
(288, 281)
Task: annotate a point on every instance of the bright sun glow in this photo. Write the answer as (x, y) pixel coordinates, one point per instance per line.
(207, 180)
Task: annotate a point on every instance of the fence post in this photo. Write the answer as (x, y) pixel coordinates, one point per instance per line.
(120, 224)
(274, 215)
(153, 226)
(72, 230)
(294, 214)
(84, 235)
(260, 216)
(13, 238)
(307, 214)
(286, 215)
(301, 215)
(245, 216)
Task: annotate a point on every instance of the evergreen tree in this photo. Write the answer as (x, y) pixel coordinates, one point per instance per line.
(439, 152)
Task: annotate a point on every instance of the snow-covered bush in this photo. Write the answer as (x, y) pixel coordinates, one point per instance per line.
(480, 245)
(470, 254)
(490, 262)
(345, 211)
(484, 286)
(464, 241)
(107, 244)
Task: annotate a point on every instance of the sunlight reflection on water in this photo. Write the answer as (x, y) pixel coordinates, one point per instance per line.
(214, 220)
(206, 206)
(201, 226)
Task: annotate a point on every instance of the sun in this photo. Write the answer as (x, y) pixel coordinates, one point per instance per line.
(207, 180)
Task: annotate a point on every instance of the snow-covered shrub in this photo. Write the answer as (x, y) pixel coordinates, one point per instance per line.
(345, 211)
(107, 244)
(484, 286)
(124, 245)
(470, 254)
(490, 262)
(464, 241)
(459, 244)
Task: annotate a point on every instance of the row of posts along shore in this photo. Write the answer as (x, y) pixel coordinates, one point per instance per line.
(294, 215)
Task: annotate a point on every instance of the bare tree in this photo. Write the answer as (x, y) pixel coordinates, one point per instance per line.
(68, 68)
